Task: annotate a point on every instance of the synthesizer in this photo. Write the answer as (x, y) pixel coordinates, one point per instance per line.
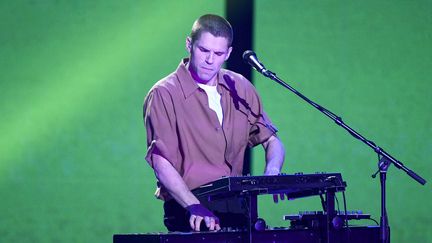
(291, 185)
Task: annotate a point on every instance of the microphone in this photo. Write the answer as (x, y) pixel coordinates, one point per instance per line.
(251, 58)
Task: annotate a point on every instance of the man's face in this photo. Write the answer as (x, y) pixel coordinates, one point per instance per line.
(207, 54)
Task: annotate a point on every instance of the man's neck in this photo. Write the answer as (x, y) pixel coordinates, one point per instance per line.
(211, 82)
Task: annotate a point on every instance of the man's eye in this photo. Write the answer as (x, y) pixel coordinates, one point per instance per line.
(219, 53)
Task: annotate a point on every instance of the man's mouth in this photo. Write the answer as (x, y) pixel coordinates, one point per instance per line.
(207, 68)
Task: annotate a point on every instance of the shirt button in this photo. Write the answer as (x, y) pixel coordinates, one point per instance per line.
(217, 129)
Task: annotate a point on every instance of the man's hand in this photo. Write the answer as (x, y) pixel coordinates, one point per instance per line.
(198, 213)
(275, 155)
(281, 195)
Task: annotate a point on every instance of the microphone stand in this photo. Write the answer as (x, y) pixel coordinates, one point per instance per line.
(385, 159)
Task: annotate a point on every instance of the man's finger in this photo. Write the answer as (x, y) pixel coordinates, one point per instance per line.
(210, 223)
(198, 220)
(192, 221)
(275, 198)
(207, 221)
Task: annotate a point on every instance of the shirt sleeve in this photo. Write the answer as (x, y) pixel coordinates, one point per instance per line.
(160, 123)
(261, 127)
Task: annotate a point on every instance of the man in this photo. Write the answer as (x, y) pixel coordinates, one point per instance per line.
(199, 121)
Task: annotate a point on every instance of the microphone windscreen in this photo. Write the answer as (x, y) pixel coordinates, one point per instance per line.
(247, 54)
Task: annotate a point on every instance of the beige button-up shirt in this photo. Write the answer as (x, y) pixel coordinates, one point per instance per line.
(184, 130)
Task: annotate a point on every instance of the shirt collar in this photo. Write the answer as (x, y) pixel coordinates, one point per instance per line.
(188, 84)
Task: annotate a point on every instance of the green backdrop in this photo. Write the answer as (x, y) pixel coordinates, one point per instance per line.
(73, 76)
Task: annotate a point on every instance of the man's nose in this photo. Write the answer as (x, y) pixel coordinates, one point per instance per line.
(210, 58)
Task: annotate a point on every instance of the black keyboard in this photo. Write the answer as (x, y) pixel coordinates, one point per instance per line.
(293, 186)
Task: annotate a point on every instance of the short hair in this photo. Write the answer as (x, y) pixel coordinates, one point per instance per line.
(215, 25)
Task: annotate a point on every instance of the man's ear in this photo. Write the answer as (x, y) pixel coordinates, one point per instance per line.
(229, 53)
(189, 44)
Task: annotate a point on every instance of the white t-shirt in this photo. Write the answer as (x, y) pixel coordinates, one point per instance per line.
(213, 99)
